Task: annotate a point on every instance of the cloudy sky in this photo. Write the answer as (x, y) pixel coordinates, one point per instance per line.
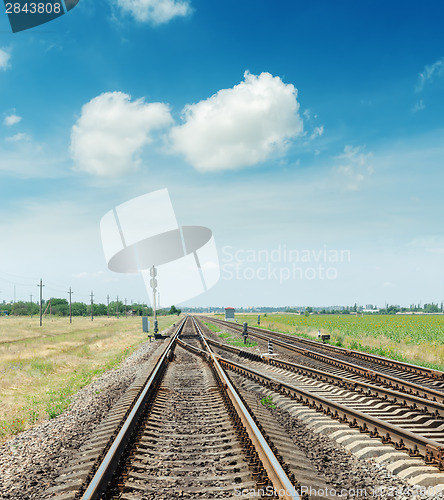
(308, 136)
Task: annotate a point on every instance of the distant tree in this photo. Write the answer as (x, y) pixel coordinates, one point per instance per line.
(392, 309)
(78, 309)
(100, 310)
(6, 307)
(20, 308)
(431, 308)
(174, 310)
(59, 307)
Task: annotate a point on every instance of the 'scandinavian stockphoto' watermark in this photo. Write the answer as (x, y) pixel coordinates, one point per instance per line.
(282, 263)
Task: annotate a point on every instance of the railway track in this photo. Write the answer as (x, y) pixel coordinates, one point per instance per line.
(403, 377)
(194, 425)
(407, 422)
(185, 432)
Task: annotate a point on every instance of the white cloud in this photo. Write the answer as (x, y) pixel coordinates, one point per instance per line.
(4, 59)
(12, 119)
(22, 156)
(355, 168)
(240, 126)
(419, 106)
(109, 136)
(154, 11)
(21, 136)
(430, 73)
(317, 132)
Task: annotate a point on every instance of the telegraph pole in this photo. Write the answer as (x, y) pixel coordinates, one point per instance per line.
(70, 309)
(30, 298)
(126, 310)
(117, 307)
(107, 305)
(92, 306)
(41, 295)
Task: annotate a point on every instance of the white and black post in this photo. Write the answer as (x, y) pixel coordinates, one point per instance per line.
(153, 285)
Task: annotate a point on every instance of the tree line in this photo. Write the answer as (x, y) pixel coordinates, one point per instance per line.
(60, 307)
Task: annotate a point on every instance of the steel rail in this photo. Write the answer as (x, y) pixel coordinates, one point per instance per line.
(415, 402)
(392, 382)
(109, 463)
(281, 483)
(432, 451)
(408, 367)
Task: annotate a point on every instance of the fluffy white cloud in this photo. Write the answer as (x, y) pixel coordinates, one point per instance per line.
(430, 73)
(109, 135)
(12, 119)
(240, 126)
(4, 59)
(355, 168)
(154, 11)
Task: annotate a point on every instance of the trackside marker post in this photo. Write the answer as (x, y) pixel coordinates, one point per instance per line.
(245, 332)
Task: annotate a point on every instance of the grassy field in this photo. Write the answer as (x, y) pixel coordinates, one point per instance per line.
(230, 338)
(414, 339)
(42, 367)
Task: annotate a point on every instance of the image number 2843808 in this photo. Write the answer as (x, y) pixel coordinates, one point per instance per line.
(24, 15)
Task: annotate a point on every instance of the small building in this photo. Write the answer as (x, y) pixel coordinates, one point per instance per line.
(229, 313)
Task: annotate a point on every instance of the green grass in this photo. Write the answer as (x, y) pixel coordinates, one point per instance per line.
(415, 339)
(268, 402)
(212, 327)
(40, 367)
(236, 341)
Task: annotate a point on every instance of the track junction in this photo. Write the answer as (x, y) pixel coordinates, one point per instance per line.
(202, 422)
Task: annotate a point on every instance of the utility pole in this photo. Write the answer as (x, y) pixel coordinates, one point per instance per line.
(30, 298)
(70, 309)
(92, 306)
(117, 307)
(41, 294)
(126, 310)
(107, 305)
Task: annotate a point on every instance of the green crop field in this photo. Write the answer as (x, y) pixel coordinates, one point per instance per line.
(417, 339)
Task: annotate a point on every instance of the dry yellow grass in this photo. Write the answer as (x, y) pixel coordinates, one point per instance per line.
(41, 367)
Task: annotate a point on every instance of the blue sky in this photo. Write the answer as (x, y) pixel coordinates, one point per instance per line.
(288, 128)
